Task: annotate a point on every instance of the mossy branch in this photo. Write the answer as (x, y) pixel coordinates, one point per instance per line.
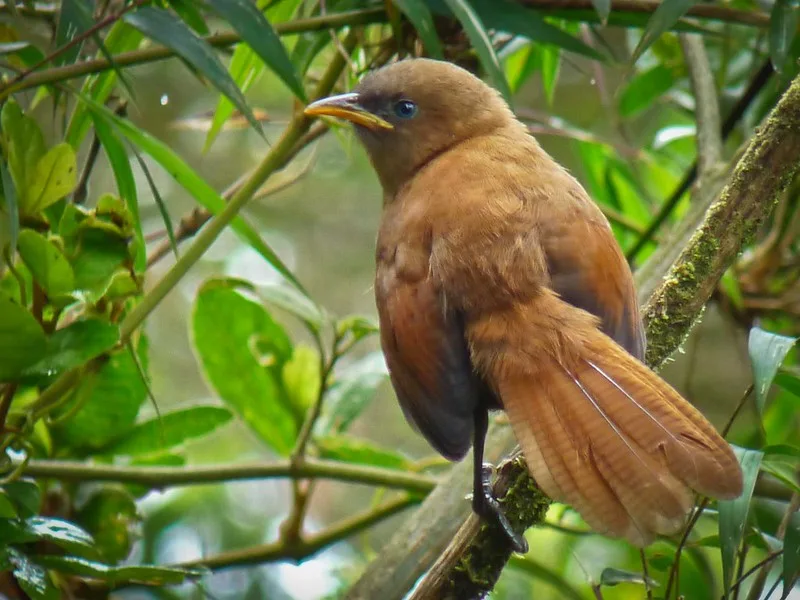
(769, 163)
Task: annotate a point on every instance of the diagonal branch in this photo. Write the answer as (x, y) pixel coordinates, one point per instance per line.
(770, 161)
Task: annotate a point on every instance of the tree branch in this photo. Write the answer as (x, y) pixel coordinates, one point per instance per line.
(161, 477)
(770, 161)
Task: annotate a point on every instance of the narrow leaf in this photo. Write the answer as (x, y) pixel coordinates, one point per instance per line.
(603, 8)
(479, 38)
(767, 352)
(171, 430)
(420, 16)
(351, 392)
(733, 513)
(663, 19)
(162, 206)
(10, 205)
(782, 30)
(167, 29)
(192, 183)
(791, 555)
(253, 27)
(73, 19)
(362, 452)
(644, 89)
(611, 577)
(139, 575)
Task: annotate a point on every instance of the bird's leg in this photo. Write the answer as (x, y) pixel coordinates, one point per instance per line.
(483, 501)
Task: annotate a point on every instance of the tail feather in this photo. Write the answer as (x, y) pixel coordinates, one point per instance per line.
(609, 437)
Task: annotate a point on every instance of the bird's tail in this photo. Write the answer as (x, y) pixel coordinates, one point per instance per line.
(609, 437)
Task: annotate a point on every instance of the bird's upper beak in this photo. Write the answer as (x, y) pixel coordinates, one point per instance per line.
(346, 106)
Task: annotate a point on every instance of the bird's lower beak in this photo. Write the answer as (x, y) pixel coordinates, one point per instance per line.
(346, 106)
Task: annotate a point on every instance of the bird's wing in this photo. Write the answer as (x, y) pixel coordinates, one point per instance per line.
(588, 270)
(428, 361)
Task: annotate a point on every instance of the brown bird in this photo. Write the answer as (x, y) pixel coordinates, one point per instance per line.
(500, 285)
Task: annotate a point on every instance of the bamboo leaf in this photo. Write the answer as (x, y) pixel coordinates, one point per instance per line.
(767, 352)
(782, 31)
(421, 18)
(167, 29)
(479, 38)
(668, 13)
(254, 28)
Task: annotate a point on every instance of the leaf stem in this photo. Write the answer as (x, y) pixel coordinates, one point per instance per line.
(161, 476)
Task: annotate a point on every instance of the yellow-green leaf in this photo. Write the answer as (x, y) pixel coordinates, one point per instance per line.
(55, 176)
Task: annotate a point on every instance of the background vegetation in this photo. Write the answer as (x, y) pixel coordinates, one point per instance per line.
(192, 402)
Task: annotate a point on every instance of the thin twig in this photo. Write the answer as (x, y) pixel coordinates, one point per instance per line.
(770, 557)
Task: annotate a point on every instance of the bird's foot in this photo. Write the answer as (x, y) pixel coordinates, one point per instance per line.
(487, 506)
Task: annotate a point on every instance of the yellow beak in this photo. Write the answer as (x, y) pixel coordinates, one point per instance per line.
(346, 106)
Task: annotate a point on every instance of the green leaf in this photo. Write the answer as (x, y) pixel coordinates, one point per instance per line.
(733, 513)
(200, 190)
(351, 392)
(357, 327)
(479, 38)
(105, 403)
(25, 146)
(75, 345)
(26, 496)
(784, 450)
(782, 30)
(242, 351)
(783, 471)
(22, 340)
(668, 13)
(48, 266)
(73, 19)
(126, 183)
(110, 516)
(767, 352)
(170, 430)
(162, 206)
(551, 62)
(611, 577)
(138, 575)
(294, 302)
(253, 27)
(62, 533)
(32, 578)
(54, 177)
(789, 382)
(643, 90)
(7, 508)
(421, 18)
(301, 379)
(791, 555)
(165, 28)
(10, 204)
(363, 452)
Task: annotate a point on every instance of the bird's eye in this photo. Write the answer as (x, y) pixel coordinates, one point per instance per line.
(405, 109)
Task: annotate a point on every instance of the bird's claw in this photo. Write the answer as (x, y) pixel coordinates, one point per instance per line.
(488, 507)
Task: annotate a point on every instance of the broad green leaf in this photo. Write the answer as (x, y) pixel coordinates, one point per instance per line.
(26, 496)
(643, 90)
(663, 19)
(75, 345)
(24, 146)
(104, 405)
(362, 452)
(611, 577)
(351, 392)
(110, 517)
(200, 190)
(784, 450)
(421, 18)
(479, 38)
(55, 176)
(22, 340)
(254, 29)
(244, 68)
(767, 352)
(167, 29)
(32, 578)
(47, 264)
(9, 203)
(7, 508)
(138, 575)
(301, 379)
(73, 19)
(170, 430)
(791, 555)
(782, 30)
(42, 529)
(294, 302)
(733, 513)
(521, 64)
(126, 183)
(242, 351)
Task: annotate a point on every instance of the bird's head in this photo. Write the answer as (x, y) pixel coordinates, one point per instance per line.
(411, 111)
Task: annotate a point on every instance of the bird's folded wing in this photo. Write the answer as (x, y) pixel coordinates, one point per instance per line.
(429, 364)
